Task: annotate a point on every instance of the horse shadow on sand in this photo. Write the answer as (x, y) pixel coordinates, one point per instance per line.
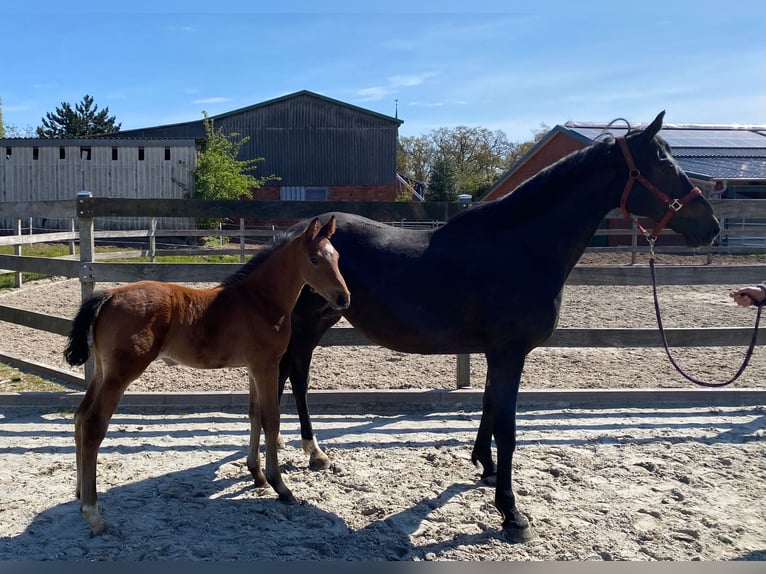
(185, 515)
(202, 513)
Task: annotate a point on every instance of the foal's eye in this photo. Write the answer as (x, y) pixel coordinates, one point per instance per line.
(314, 260)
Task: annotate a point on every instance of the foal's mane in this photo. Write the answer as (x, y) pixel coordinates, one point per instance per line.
(260, 256)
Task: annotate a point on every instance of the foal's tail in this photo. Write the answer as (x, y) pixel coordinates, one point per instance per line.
(78, 347)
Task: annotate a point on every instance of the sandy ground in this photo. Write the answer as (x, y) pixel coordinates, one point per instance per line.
(610, 484)
(625, 484)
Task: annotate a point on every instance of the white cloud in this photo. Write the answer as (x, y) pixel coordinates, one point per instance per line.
(214, 100)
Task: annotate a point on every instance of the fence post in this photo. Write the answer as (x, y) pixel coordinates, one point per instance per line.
(17, 279)
(633, 243)
(87, 255)
(463, 371)
(152, 239)
(72, 229)
(241, 239)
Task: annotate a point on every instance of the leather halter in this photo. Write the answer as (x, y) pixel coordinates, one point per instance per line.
(674, 205)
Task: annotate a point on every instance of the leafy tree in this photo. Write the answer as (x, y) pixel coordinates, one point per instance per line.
(2, 126)
(477, 155)
(82, 120)
(443, 181)
(219, 174)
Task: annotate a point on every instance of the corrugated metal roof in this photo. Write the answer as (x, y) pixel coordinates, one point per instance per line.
(704, 152)
(724, 168)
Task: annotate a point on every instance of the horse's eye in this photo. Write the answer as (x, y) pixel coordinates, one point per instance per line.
(314, 260)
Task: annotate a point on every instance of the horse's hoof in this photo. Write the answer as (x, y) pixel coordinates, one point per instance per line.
(518, 535)
(93, 519)
(288, 498)
(320, 463)
(489, 479)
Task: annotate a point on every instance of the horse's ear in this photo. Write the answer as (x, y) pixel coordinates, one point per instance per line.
(329, 228)
(653, 128)
(312, 230)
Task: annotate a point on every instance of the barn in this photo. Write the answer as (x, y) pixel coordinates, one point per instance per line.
(320, 148)
(725, 161)
(40, 169)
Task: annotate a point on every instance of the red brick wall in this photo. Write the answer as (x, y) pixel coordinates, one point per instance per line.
(339, 193)
(559, 146)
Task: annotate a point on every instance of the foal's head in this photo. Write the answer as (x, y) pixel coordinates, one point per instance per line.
(319, 265)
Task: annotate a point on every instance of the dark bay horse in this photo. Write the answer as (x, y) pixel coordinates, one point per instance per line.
(245, 321)
(490, 281)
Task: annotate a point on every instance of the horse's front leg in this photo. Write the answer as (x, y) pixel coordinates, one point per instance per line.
(254, 449)
(503, 378)
(266, 384)
(296, 363)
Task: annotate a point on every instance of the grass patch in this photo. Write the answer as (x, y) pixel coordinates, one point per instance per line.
(13, 380)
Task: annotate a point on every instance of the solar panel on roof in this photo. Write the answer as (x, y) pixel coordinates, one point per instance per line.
(717, 138)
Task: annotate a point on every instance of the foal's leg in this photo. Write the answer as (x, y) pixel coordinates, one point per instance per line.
(91, 422)
(266, 383)
(504, 375)
(254, 450)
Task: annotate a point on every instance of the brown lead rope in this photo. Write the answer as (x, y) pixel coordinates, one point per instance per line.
(667, 349)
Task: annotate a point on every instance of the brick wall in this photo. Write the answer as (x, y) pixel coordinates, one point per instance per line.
(559, 146)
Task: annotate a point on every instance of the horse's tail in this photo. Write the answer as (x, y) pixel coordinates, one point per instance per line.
(78, 347)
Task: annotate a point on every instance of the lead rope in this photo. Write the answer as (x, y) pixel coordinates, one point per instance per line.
(665, 339)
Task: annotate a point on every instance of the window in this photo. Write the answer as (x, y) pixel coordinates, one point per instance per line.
(167, 154)
(114, 154)
(8, 153)
(140, 154)
(35, 153)
(62, 153)
(85, 153)
(302, 193)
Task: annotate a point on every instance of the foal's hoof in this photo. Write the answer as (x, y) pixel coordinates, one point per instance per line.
(93, 518)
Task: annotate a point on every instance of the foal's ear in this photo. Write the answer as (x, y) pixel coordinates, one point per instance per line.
(329, 228)
(653, 128)
(312, 230)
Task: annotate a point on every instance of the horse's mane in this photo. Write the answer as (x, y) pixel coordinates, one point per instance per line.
(540, 191)
(258, 258)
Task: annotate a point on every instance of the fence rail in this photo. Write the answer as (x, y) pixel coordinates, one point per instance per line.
(90, 270)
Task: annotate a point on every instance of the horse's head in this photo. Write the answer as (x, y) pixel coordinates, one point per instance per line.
(321, 264)
(657, 187)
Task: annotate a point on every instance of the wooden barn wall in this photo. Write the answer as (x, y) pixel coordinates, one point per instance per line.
(51, 177)
(311, 142)
(307, 141)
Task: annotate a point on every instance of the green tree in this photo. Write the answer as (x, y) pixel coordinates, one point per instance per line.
(2, 125)
(82, 120)
(219, 174)
(442, 181)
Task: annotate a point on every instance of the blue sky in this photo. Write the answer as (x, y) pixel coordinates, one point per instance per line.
(495, 64)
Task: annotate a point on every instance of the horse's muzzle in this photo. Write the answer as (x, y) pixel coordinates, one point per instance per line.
(341, 301)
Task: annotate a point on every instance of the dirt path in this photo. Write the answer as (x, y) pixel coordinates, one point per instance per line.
(680, 484)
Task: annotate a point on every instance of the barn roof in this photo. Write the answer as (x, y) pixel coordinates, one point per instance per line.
(708, 152)
(196, 128)
(704, 151)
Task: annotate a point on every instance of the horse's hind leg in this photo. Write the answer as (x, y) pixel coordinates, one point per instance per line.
(254, 449)
(91, 422)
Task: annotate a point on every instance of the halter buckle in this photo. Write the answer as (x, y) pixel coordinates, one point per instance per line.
(675, 205)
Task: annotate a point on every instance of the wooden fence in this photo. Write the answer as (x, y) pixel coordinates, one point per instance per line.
(92, 269)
